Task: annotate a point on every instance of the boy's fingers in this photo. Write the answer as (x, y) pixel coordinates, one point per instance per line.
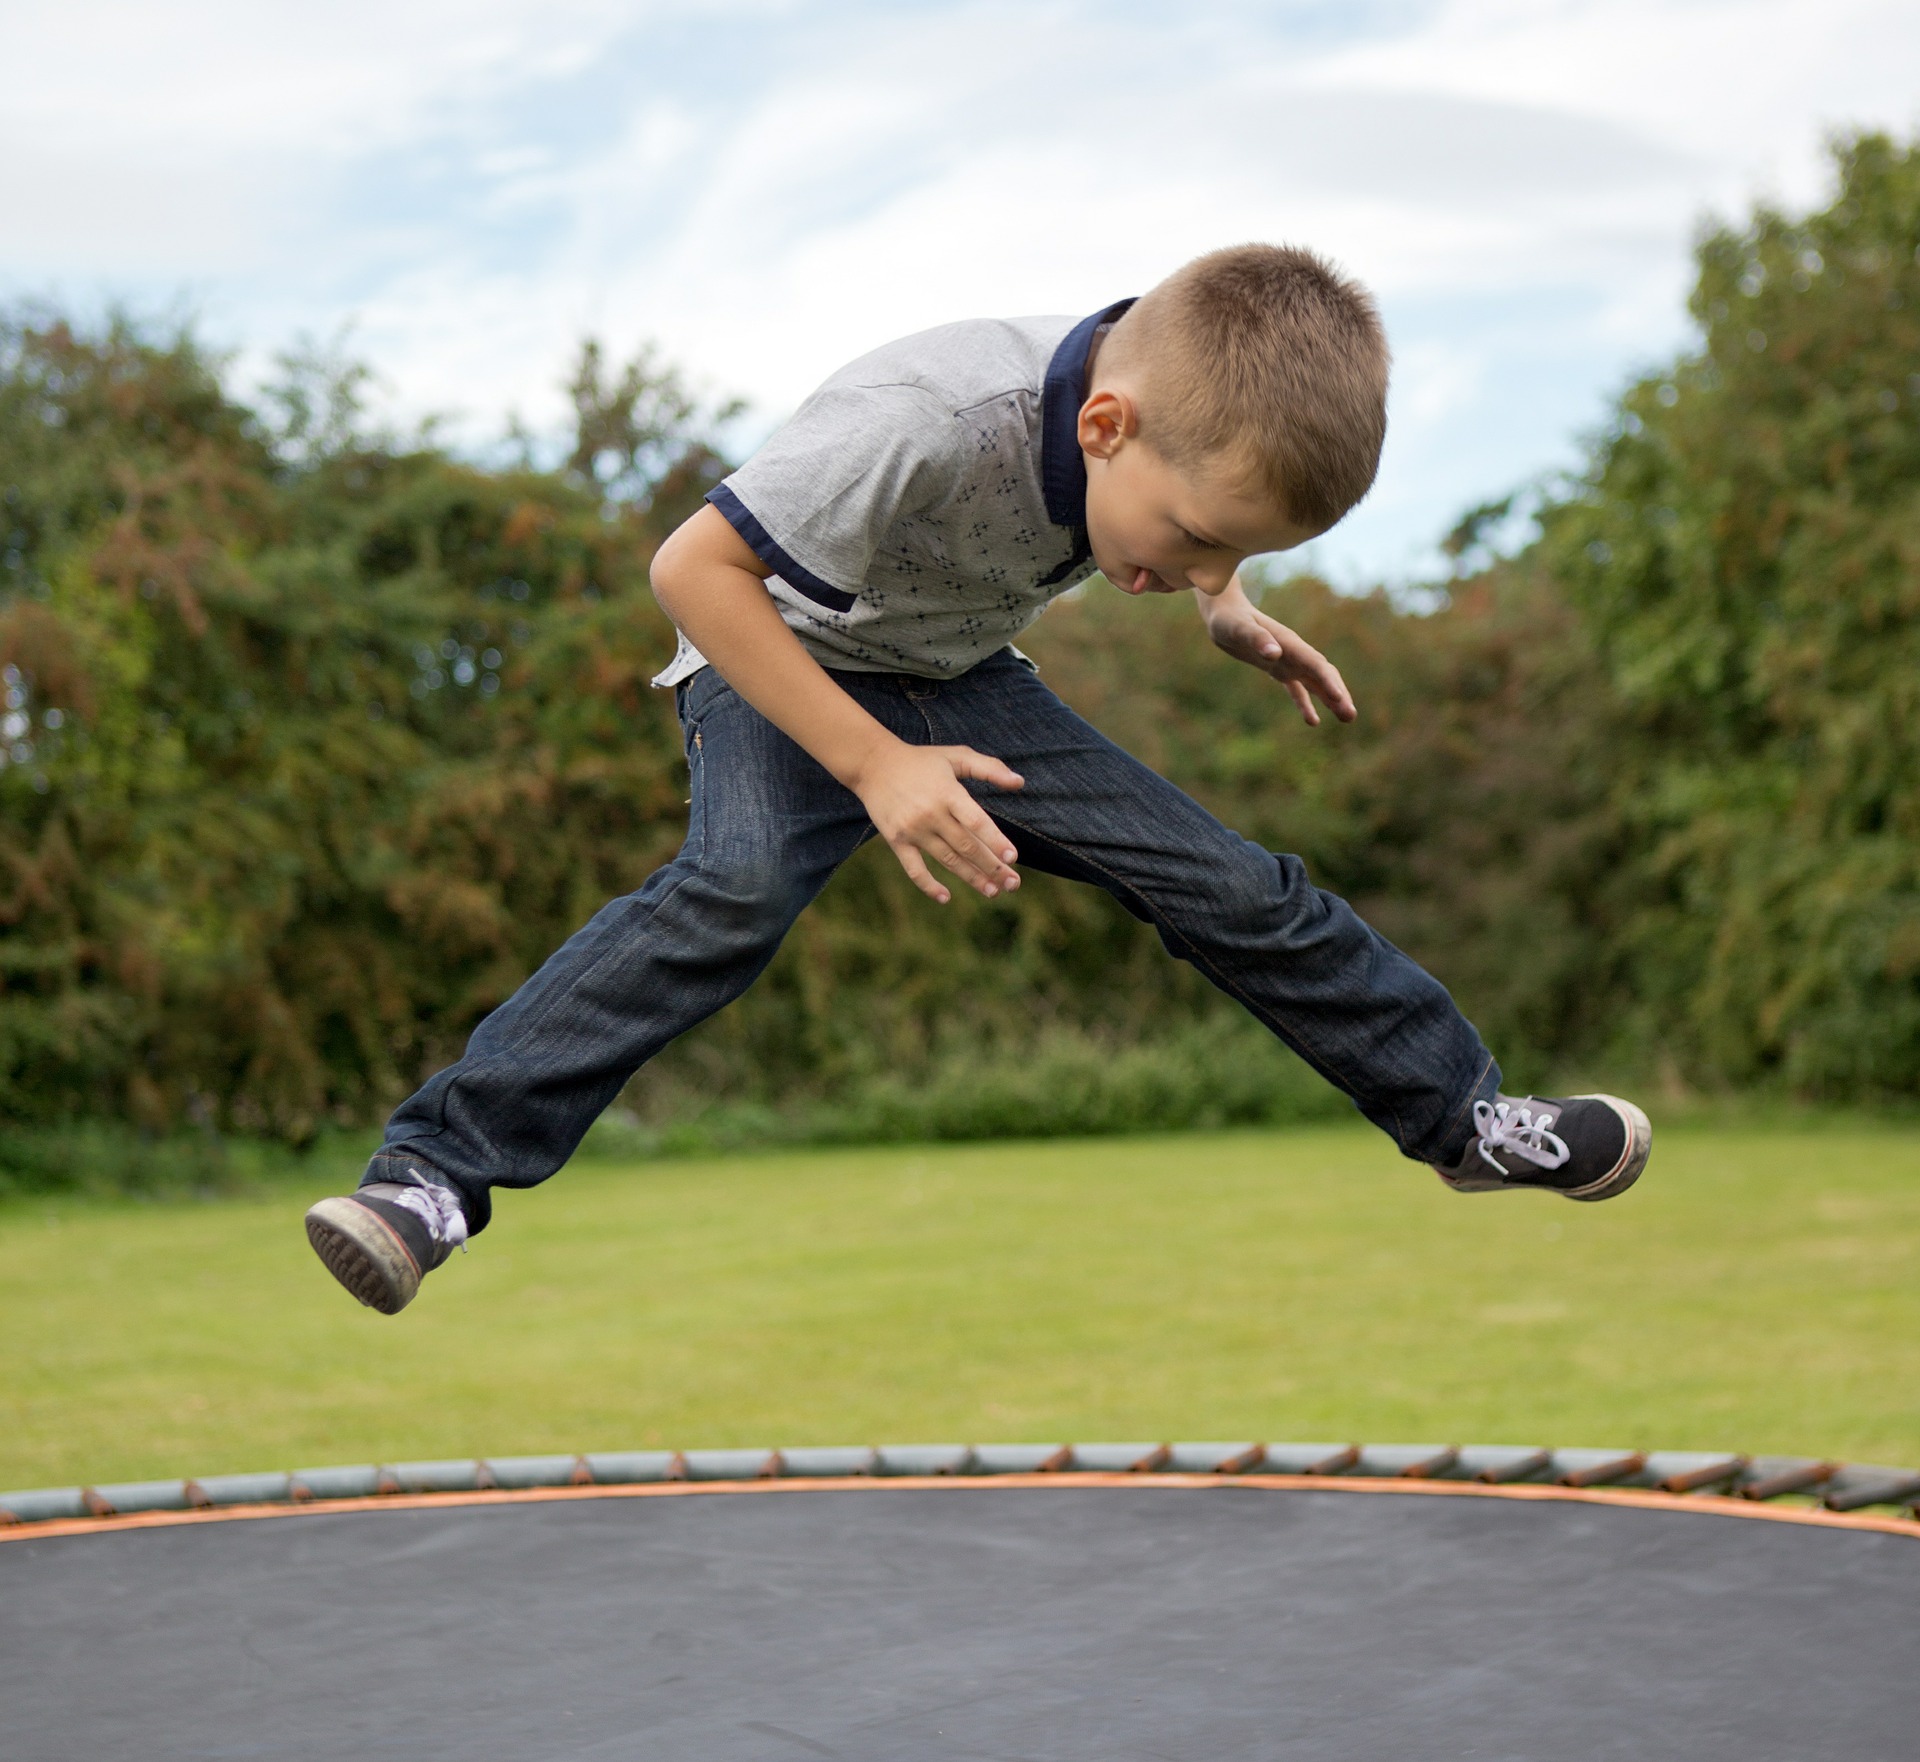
(1306, 668)
(1297, 664)
(919, 875)
(983, 768)
(972, 847)
(1334, 690)
(954, 831)
(975, 862)
(994, 844)
(961, 862)
(1325, 678)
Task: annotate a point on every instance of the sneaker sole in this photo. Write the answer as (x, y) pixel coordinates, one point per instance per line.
(358, 1248)
(1623, 1174)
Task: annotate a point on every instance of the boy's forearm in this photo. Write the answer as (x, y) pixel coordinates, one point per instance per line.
(713, 586)
(728, 615)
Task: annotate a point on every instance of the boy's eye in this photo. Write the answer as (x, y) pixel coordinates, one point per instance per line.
(1194, 539)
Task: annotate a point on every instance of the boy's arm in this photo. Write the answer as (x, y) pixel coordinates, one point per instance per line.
(710, 583)
(1237, 625)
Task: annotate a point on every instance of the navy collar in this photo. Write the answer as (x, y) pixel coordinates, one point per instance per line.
(1063, 472)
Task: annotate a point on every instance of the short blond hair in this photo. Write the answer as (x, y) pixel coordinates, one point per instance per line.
(1266, 359)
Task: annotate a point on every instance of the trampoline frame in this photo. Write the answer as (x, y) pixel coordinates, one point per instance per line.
(1798, 1490)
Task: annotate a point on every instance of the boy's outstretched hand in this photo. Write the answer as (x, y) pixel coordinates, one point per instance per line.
(914, 798)
(1245, 632)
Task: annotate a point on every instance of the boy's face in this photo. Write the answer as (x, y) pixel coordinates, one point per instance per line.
(1154, 528)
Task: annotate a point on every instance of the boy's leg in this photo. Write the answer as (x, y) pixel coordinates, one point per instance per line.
(766, 829)
(1344, 998)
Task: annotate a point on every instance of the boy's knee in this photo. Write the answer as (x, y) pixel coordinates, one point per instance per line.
(749, 891)
(1252, 880)
(1260, 894)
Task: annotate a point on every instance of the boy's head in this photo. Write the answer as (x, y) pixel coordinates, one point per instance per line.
(1238, 407)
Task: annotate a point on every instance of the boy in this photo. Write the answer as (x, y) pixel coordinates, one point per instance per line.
(847, 601)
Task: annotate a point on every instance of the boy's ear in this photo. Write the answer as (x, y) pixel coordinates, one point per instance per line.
(1107, 418)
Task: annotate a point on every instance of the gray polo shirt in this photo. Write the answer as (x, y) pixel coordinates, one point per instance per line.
(923, 506)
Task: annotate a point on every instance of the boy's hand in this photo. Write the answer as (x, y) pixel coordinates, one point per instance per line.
(914, 798)
(714, 588)
(1237, 625)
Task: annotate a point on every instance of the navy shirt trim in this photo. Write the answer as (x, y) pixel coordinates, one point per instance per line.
(1063, 471)
(741, 518)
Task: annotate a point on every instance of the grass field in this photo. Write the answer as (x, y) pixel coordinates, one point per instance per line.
(1758, 1291)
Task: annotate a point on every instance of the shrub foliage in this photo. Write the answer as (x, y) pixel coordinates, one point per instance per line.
(1745, 553)
(317, 740)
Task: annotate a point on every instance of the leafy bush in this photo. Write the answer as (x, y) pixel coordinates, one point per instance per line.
(316, 742)
(1228, 1072)
(1746, 554)
(308, 763)
(101, 1156)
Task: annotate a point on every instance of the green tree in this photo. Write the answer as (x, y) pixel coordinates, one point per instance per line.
(314, 741)
(1746, 552)
(315, 748)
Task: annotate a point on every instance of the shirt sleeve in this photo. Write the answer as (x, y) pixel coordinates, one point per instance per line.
(815, 502)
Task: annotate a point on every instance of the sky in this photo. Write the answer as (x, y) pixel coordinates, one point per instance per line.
(463, 189)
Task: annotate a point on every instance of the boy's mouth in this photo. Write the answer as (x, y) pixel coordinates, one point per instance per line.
(1143, 581)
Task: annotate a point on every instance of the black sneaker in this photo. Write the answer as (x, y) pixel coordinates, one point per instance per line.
(1585, 1147)
(383, 1240)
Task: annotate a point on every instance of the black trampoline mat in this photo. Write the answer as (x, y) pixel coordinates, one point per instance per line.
(1051, 1624)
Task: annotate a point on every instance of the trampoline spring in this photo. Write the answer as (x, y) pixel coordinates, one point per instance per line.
(1125, 1458)
(825, 1462)
(1839, 1486)
(1519, 1468)
(1857, 1486)
(1598, 1474)
(1794, 1478)
(1338, 1463)
(1709, 1475)
(359, 1482)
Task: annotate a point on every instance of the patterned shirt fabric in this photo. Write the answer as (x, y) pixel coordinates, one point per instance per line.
(926, 503)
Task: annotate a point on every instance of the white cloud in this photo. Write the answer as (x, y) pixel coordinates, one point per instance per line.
(769, 188)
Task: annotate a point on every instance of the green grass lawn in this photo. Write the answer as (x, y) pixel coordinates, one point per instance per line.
(1759, 1291)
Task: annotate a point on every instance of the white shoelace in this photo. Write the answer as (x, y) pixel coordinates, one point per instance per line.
(438, 1209)
(1521, 1131)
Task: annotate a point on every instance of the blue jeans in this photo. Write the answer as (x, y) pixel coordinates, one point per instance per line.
(768, 827)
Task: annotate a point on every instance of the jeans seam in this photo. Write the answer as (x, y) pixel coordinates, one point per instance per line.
(696, 786)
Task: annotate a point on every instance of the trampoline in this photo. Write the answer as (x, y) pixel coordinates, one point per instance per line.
(1096, 1602)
